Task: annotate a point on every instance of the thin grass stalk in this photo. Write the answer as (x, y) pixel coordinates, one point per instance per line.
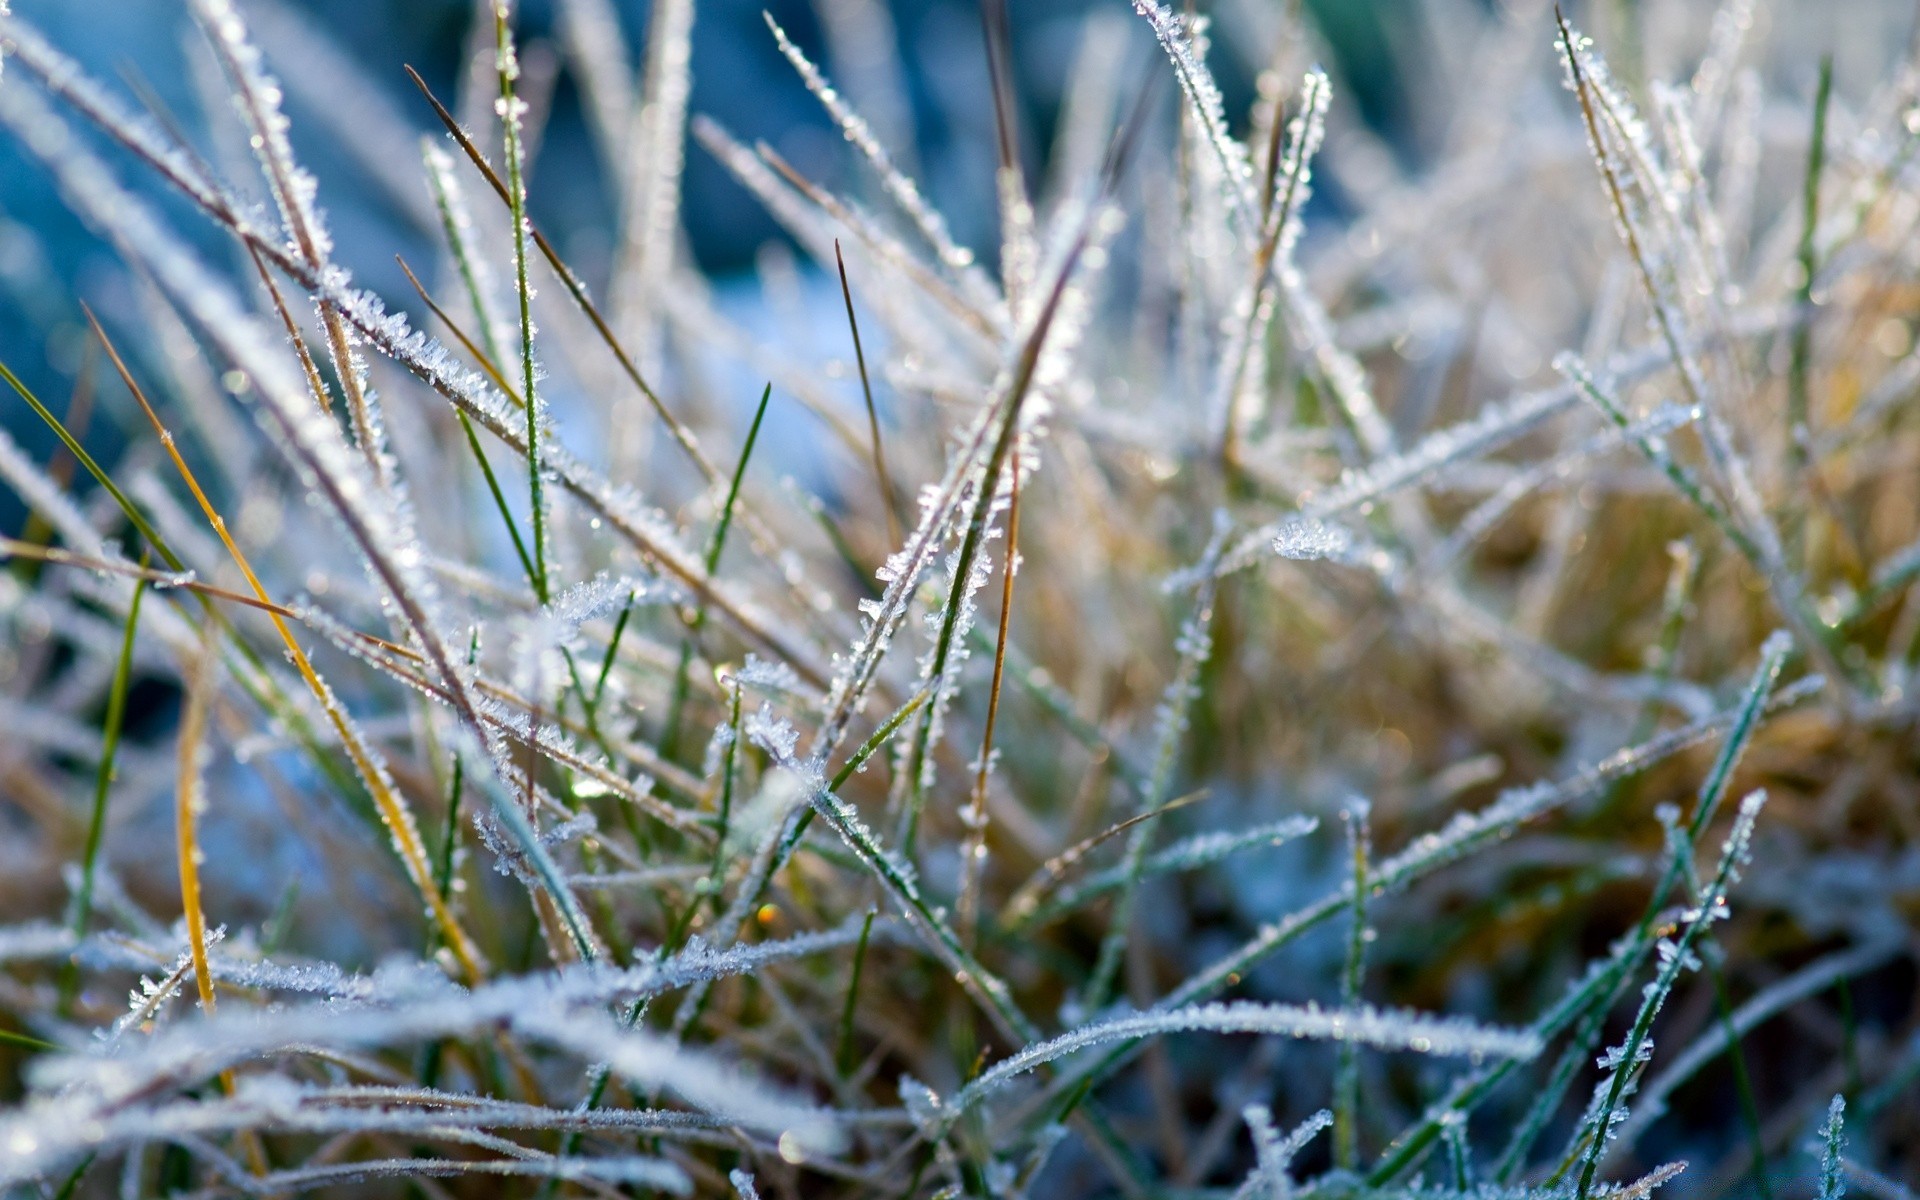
(973, 852)
(111, 727)
(511, 111)
(881, 476)
(986, 487)
(1800, 361)
(710, 559)
(473, 444)
(189, 802)
(1346, 1071)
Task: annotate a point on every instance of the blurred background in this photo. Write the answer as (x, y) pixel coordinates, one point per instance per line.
(350, 56)
(342, 62)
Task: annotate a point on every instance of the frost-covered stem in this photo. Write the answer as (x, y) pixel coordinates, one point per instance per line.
(1713, 436)
(973, 854)
(1833, 1141)
(1280, 228)
(259, 99)
(456, 221)
(1346, 1077)
(479, 452)
(650, 221)
(987, 989)
(986, 485)
(378, 526)
(1709, 907)
(900, 188)
(1810, 980)
(779, 846)
(1203, 100)
(1195, 644)
(1572, 47)
(881, 476)
(1388, 1029)
(510, 109)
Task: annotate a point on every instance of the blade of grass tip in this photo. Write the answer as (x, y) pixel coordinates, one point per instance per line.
(26, 1041)
(1788, 588)
(308, 367)
(393, 810)
(1661, 660)
(511, 110)
(1800, 362)
(102, 784)
(1027, 898)
(486, 359)
(843, 1049)
(973, 857)
(1120, 150)
(1459, 1157)
(1833, 1143)
(682, 435)
(718, 541)
(1614, 978)
(1346, 1078)
(873, 417)
(1020, 253)
(72, 1184)
(1571, 46)
(716, 544)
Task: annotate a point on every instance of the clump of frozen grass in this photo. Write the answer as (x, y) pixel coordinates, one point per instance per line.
(558, 800)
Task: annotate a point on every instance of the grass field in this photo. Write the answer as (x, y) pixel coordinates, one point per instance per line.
(1322, 660)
